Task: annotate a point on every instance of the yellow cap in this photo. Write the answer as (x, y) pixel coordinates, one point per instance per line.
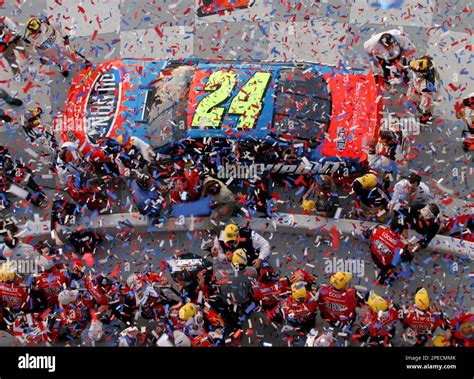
(298, 290)
(419, 64)
(377, 303)
(340, 279)
(7, 271)
(368, 181)
(231, 232)
(187, 311)
(422, 300)
(239, 257)
(440, 341)
(308, 205)
(33, 25)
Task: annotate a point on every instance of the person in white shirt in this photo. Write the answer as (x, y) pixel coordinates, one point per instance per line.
(408, 192)
(389, 50)
(51, 44)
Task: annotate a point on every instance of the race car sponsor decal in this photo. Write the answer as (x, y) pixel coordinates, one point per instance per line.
(230, 98)
(101, 106)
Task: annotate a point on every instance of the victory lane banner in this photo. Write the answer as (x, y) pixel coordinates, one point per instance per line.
(274, 362)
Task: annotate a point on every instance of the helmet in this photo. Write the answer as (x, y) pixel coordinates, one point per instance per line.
(239, 257)
(440, 341)
(368, 181)
(340, 279)
(231, 232)
(308, 205)
(387, 39)
(44, 263)
(7, 271)
(33, 25)
(298, 290)
(187, 311)
(377, 303)
(421, 65)
(422, 300)
(67, 296)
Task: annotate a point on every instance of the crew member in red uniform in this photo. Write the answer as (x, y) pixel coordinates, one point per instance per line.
(461, 331)
(387, 249)
(201, 325)
(269, 289)
(299, 309)
(50, 281)
(99, 289)
(379, 321)
(149, 298)
(14, 295)
(74, 315)
(421, 320)
(337, 302)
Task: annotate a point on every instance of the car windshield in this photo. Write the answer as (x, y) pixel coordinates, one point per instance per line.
(302, 105)
(166, 106)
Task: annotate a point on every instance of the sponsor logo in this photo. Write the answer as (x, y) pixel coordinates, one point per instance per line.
(389, 237)
(102, 105)
(341, 139)
(44, 362)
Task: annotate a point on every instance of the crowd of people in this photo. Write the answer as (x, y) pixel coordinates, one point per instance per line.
(205, 300)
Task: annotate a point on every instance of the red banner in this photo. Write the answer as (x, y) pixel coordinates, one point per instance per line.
(354, 121)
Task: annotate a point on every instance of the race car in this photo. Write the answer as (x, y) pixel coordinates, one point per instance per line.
(209, 7)
(302, 117)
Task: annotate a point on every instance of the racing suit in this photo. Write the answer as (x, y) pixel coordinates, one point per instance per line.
(379, 328)
(51, 283)
(338, 307)
(204, 329)
(299, 314)
(386, 244)
(459, 337)
(421, 325)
